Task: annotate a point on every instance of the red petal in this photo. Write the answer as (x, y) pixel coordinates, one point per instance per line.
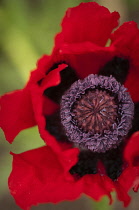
(131, 152)
(49, 107)
(97, 186)
(43, 65)
(41, 70)
(126, 180)
(68, 158)
(123, 38)
(136, 185)
(126, 41)
(43, 62)
(124, 183)
(52, 79)
(16, 113)
(132, 83)
(37, 177)
(86, 58)
(88, 22)
(122, 194)
(129, 177)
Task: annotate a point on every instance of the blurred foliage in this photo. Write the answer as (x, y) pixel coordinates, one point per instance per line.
(27, 29)
(133, 3)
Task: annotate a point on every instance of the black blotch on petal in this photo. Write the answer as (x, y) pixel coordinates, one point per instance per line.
(117, 67)
(135, 122)
(55, 128)
(68, 77)
(113, 162)
(87, 164)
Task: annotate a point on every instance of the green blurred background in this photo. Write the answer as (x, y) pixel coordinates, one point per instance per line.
(27, 29)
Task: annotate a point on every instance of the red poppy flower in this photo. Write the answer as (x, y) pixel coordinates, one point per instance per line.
(77, 98)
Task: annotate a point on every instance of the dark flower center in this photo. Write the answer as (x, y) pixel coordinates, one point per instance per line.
(95, 111)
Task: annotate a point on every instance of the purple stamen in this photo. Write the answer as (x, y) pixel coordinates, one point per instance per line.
(97, 113)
